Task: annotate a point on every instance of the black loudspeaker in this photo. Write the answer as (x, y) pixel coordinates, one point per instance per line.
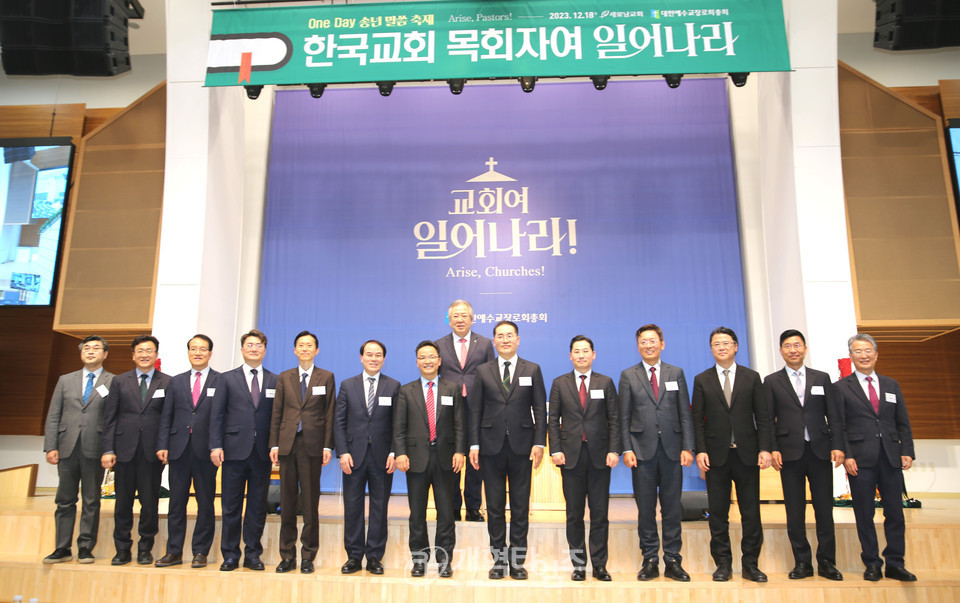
(917, 24)
(693, 506)
(273, 498)
(70, 37)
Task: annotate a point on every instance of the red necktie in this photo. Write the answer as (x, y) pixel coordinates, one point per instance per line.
(463, 360)
(583, 398)
(196, 390)
(431, 411)
(874, 398)
(653, 382)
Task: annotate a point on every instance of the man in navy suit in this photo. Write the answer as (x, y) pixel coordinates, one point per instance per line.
(508, 430)
(657, 432)
(131, 422)
(184, 444)
(879, 449)
(461, 352)
(363, 433)
(239, 431)
(585, 444)
(807, 445)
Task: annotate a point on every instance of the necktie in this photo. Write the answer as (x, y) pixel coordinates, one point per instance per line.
(88, 389)
(463, 360)
(583, 399)
(798, 386)
(727, 388)
(653, 382)
(370, 395)
(196, 389)
(506, 375)
(303, 387)
(874, 398)
(143, 388)
(255, 388)
(431, 411)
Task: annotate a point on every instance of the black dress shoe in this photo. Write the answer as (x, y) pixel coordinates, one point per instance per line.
(753, 574)
(199, 561)
(600, 573)
(286, 565)
(674, 571)
(579, 574)
(872, 573)
(228, 565)
(517, 572)
(168, 560)
(899, 573)
(59, 556)
(121, 558)
(253, 564)
(352, 566)
(374, 566)
(144, 557)
(723, 573)
(497, 572)
(829, 571)
(800, 571)
(446, 571)
(85, 556)
(648, 571)
(419, 570)
(474, 515)
(306, 566)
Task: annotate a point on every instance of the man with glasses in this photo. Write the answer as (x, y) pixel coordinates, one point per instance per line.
(879, 450)
(731, 424)
(73, 443)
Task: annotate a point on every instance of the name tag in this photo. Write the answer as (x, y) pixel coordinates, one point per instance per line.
(816, 390)
(526, 381)
(672, 386)
(103, 391)
(596, 394)
(211, 392)
(271, 393)
(446, 400)
(386, 401)
(892, 398)
(159, 393)
(319, 390)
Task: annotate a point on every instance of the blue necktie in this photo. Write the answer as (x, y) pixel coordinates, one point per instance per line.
(88, 389)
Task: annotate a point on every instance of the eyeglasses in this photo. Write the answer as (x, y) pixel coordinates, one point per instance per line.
(863, 352)
(720, 345)
(649, 341)
(792, 346)
(427, 358)
(145, 351)
(92, 348)
(200, 350)
(253, 346)
(459, 316)
(505, 336)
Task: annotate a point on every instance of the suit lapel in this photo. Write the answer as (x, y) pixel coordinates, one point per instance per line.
(574, 391)
(421, 404)
(645, 382)
(717, 386)
(151, 389)
(853, 383)
(787, 385)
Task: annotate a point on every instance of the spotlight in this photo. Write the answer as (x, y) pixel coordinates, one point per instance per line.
(316, 90)
(739, 79)
(253, 92)
(456, 85)
(527, 82)
(673, 79)
(385, 88)
(599, 81)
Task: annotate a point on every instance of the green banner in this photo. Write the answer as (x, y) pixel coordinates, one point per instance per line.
(414, 41)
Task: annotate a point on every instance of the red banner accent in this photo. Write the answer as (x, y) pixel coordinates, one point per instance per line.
(246, 60)
(845, 366)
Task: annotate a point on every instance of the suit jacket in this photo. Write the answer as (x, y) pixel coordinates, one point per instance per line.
(479, 352)
(569, 420)
(128, 420)
(316, 411)
(645, 420)
(522, 411)
(236, 425)
(872, 436)
(181, 423)
(819, 414)
(411, 427)
(354, 428)
(69, 420)
(748, 416)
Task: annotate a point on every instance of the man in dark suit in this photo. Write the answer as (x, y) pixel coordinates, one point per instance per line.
(807, 444)
(301, 442)
(131, 421)
(184, 444)
(585, 444)
(461, 353)
(731, 423)
(657, 432)
(72, 442)
(363, 433)
(508, 430)
(239, 430)
(879, 449)
(429, 439)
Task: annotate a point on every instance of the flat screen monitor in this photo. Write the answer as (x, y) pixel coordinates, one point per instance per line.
(34, 184)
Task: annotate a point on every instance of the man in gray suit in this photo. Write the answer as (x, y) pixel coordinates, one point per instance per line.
(657, 434)
(72, 443)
